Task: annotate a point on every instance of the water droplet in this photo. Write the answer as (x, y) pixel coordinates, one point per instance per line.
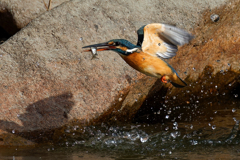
(216, 87)
(169, 112)
(167, 128)
(230, 84)
(191, 126)
(175, 127)
(18, 115)
(13, 131)
(170, 152)
(194, 69)
(223, 94)
(194, 142)
(163, 154)
(213, 127)
(120, 99)
(187, 91)
(233, 110)
(175, 124)
(215, 112)
(48, 149)
(174, 135)
(209, 124)
(197, 101)
(167, 116)
(174, 97)
(80, 38)
(144, 139)
(234, 118)
(236, 95)
(158, 112)
(67, 131)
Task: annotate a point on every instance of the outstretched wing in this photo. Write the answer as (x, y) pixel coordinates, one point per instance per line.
(161, 40)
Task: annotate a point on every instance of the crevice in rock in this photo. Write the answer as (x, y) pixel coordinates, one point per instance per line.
(8, 22)
(3, 35)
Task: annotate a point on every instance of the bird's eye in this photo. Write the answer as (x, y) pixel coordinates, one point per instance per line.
(116, 43)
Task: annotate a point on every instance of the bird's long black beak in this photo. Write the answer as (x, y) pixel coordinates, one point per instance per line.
(104, 46)
(97, 45)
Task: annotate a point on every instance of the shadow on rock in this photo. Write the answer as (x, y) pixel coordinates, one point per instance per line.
(41, 118)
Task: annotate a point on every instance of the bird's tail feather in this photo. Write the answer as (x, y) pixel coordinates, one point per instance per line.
(177, 82)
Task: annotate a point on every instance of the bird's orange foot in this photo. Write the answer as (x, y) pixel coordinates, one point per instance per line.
(164, 79)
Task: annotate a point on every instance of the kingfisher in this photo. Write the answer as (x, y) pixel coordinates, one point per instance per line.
(156, 43)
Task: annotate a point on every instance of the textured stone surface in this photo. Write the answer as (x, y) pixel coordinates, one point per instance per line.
(15, 14)
(216, 46)
(209, 64)
(46, 80)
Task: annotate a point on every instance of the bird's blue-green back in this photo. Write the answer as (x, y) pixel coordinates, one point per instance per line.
(140, 33)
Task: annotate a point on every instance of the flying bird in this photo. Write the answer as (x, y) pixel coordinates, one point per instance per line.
(156, 42)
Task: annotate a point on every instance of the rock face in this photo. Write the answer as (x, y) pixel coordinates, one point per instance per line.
(213, 57)
(15, 14)
(209, 64)
(46, 80)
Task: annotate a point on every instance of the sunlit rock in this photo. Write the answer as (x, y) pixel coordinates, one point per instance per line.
(14, 14)
(49, 85)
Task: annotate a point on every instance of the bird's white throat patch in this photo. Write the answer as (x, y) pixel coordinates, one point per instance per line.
(131, 50)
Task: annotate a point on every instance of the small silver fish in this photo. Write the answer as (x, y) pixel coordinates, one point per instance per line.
(94, 53)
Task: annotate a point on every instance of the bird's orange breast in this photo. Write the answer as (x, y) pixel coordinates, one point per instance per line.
(147, 64)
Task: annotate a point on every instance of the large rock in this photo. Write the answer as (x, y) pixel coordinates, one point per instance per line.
(46, 80)
(15, 14)
(209, 64)
(212, 59)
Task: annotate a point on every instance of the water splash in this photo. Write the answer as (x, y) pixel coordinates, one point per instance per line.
(234, 132)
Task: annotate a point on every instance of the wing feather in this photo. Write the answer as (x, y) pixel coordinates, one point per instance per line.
(176, 35)
(161, 40)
